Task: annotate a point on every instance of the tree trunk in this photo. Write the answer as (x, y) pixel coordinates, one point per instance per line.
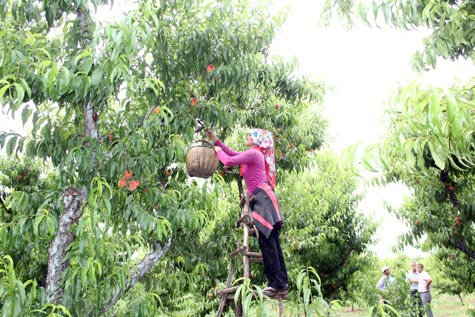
(72, 199)
(86, 29)
(90, 121)
(139, 271)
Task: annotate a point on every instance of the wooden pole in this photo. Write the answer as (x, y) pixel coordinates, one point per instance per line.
(281, 307)
(245, 257)
(228, 290)
(222, 302)
(245, 241)
(241, 249)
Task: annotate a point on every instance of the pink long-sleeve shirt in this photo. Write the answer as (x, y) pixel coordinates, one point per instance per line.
(254, 172)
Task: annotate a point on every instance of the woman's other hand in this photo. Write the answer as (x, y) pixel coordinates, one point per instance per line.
(211, 135)
(217, 149)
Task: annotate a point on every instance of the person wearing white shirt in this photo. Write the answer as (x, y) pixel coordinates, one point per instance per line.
(424, 287)
(413, 277)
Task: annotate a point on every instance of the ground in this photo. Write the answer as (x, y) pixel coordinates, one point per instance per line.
(443, 306)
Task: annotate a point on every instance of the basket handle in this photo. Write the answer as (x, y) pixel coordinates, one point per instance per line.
(200, 124)
(204, 142)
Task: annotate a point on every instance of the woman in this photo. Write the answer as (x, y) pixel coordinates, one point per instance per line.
(258, 171)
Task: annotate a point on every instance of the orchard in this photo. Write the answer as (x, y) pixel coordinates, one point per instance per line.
(97, 209)
(98, 216)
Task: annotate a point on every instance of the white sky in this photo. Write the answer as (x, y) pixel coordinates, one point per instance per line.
(362, 65)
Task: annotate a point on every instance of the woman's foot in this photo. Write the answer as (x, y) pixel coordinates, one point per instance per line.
(272, 290)
(275, 293)
(269, 289)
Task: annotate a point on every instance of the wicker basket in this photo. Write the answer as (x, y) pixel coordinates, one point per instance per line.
(201, 159)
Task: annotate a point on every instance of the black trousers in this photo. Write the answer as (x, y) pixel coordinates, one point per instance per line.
(274, 265)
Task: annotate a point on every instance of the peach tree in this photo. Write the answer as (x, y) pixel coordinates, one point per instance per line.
(324, 228)
(108, 110)
(429, 144)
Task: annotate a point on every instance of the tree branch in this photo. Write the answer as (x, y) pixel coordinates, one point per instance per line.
(461, 245)
(73, 199)
(147, 115)
(148, 262)
(450, 186)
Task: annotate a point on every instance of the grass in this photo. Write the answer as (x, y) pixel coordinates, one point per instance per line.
(442, 306)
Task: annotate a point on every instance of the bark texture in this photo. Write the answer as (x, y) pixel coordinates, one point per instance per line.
(73, 199)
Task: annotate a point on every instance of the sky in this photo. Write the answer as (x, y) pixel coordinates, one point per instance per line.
(362, 66)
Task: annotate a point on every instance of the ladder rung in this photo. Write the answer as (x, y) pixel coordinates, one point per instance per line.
(256, 260)
(228, 290)
(241, 249)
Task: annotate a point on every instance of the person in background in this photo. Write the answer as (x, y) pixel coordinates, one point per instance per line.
(258, 170)
(413, 277)
(385, 281)
(424, 287)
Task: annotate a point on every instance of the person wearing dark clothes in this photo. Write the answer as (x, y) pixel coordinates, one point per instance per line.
(258, 170)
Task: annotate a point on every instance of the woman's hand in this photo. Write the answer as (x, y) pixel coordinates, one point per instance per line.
(217, 149)
(211, 135)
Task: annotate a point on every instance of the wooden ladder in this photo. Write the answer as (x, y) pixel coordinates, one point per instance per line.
(227, 294)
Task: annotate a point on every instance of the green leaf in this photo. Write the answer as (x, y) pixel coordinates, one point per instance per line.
(25, 86)
(25, 115)
(107, 203)
(85, 53)
(11, 145)
(300, 279)
(437, 153)
(36, 223)
(307, 292)
(409, 155)
(434, 110)
(44, 51)
(20, 94)
(3, 137)
(3, 90)
(84, 277)
(20, 291)
(91, 273)
(86, 65)
(367, 165)
(96, 77)
(64, 80)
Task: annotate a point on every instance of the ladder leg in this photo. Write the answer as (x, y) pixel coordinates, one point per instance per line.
(281, 308)
(238, 310)
(222, 303)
